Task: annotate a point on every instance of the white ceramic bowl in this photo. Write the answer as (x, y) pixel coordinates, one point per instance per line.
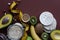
(46, 18)
(52, 26)
(27, 17)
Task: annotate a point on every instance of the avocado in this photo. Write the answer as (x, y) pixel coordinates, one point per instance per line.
(55, 34)
(5, 21)
(39, 29)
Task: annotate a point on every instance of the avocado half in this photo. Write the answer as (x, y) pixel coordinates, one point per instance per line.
(5, 21)
(55, 35)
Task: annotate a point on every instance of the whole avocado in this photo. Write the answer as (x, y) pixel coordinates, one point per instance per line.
(39, 29)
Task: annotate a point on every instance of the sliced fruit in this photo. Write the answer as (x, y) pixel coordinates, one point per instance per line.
(29, 38)
(5, 20)
(55, 35)
(33, 20)
(33, 33)
(44, 36)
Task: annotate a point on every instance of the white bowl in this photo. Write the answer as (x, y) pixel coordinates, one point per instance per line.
(46, 18)
(52, 26)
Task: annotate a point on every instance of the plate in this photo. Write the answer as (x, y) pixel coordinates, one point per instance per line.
(52, 26)
(46, 18)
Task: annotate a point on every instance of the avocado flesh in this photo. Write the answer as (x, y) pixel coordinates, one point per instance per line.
(9, 20)
(55, 35)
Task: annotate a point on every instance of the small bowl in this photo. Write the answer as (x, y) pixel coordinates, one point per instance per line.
(46, 18)
(18, 25)
(25, 17)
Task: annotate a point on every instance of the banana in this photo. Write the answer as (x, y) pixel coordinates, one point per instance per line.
(26, 26)
(26, 29)
(12, 6)
(15, 11)
(24, 36)
(33, 33)
(25, 33)
(20, 15)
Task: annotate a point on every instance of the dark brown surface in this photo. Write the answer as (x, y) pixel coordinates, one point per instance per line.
(35, 7)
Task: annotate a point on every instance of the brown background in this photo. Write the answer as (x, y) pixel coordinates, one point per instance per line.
(35, 7)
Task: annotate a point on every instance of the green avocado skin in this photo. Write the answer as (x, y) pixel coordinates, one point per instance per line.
(29, 38)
